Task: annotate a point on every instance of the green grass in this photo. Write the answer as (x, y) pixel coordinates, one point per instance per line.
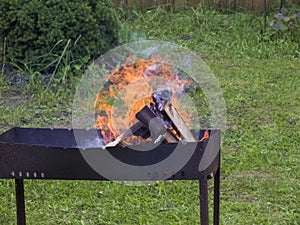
(259, 75)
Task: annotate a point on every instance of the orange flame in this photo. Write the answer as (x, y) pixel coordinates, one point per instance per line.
(132, 70)
(205, 136)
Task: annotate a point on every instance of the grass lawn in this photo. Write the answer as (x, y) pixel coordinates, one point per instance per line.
(259, 76)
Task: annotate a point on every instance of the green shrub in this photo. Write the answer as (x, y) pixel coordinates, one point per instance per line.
(35, 32)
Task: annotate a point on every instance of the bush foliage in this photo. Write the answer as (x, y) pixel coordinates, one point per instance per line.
(35, 30)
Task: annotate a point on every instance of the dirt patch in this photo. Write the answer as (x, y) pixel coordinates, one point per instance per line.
(14, 100)
(252, 174)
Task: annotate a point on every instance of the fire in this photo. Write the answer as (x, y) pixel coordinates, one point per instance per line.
(133, 70)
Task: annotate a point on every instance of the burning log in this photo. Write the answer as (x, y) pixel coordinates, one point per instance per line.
(131, 130)
(156, 125)
(178, 122)
(169, 112)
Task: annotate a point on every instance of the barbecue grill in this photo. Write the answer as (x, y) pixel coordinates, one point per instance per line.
(41, 153)
(134, 119)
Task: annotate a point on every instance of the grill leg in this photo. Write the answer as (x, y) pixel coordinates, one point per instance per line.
(217, 197)
(204, 219)
(20, 201)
